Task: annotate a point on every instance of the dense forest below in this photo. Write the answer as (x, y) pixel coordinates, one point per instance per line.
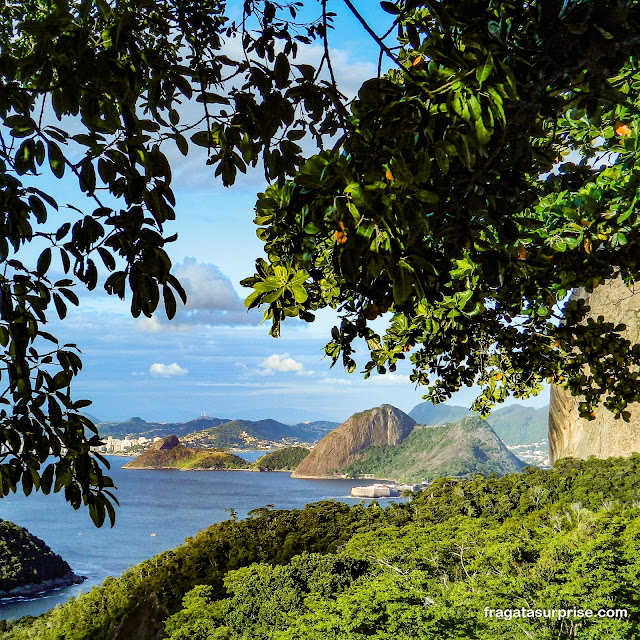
(560, 538)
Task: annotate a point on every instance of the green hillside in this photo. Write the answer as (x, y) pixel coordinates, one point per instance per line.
(169, 453)
(229, 433)
(286, 459)
(27, 560)
(220, 432)
(437, 414)
(425, 570)
(457, 449)
(514, 424)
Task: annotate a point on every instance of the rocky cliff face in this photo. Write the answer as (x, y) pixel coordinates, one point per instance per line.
(341, 447)
(570, 435)
(167, 443)
(461, 448)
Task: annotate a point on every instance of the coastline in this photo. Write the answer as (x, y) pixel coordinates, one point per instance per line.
(201, 469)
(33, 589)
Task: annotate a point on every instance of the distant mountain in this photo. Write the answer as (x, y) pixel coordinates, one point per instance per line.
(286, 415)
(384, 425)
(221, 432)
(514, 424)
(138, 427)
(436, 414)
(91, 417)
(240, 433)
(170, 453)
(461, 448)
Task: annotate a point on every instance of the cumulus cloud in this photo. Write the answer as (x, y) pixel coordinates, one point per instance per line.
(167, 370)
(211, 300)
(280, 363)
(390, 379)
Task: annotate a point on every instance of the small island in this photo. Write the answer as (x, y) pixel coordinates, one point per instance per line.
(28, 566)
(170, 453)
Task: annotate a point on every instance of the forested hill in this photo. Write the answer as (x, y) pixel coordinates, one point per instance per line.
(514, 424)
(560, 538)
(170, 453)
(461, 448)
(27, 565)
(138, 427)
(221, 432)
(383, 425)
(238, 433)
(286, 459)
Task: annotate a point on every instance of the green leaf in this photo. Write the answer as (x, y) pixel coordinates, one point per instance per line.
(207, 97)
(61, 307)
(87, 177)
(44, 261)
(391, 8)
(402, 283)
(56, 159)
(463, 269)
(281, 70)
(483, 133)
(484, 70)
(202, 139)
(169, 302)
(428, 197)
(442, 159)
(299, 293)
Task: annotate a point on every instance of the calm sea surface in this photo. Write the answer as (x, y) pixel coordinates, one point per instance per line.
(172, 504)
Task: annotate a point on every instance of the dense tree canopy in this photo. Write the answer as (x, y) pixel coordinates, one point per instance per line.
(438, 205)
(476, 184)
(546, 538)
(94, 89)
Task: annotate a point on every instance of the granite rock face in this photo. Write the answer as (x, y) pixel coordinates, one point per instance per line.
(167, 443)
(341, 447)
(570, 435)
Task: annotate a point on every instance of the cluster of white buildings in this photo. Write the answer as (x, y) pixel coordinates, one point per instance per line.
(116, 445)
(534, 453)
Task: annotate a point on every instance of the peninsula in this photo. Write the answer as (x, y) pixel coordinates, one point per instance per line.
(28, 566)
(170, 453)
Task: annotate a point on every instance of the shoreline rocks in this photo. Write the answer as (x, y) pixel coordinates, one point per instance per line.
(67, 580)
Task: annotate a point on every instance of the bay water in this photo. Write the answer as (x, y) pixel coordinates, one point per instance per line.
(171, 504)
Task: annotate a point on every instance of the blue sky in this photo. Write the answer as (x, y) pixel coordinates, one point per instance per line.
(215, 357)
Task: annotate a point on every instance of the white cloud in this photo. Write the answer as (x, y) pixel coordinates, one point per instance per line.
(211, 300)
(390, 379)
(167, 370)
(335, 383)
(281, 363)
